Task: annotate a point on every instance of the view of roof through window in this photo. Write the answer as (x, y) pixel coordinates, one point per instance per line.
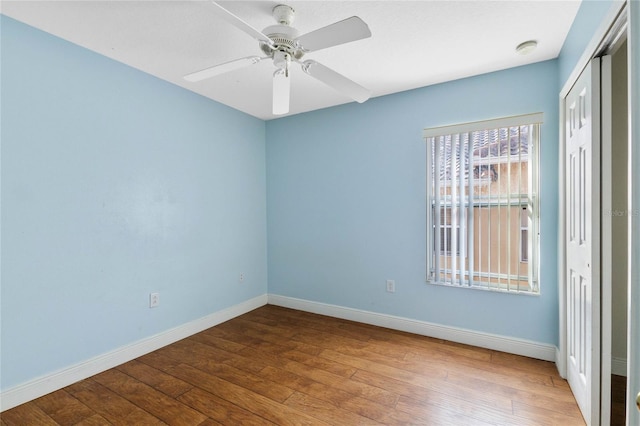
(489, 149)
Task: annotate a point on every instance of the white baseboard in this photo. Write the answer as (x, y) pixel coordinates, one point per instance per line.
(485, 340)
(619, 366)
(59, 379)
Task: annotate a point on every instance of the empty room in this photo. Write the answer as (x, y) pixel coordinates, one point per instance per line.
(320, 212)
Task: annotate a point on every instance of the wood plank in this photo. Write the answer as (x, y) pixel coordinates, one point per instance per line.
(63, 408)
(155, 402)
(212, 361)
(322, 326)
(364, 390)
(541, 417)
(210, 338)
(191, 351)
(400, 373)
(444, 408)
(113, 407)
(159, 360)
(424, 390)
(267, 326)
(231, 358)
(27, 414)
(326, 411)
(504, 374)
(559, 382)
(553, 401)
(337, 398)
(321, 323)
(258, 384)
(220, 409)
(523, 363)
(324, 339)
(288, 339)
(313, 361)
(229, 332)
(356, 388)
(155, 378)
(244, 398)
(424, 414)
(95, 420)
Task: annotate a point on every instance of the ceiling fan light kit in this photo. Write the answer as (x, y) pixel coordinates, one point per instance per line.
(282, 44)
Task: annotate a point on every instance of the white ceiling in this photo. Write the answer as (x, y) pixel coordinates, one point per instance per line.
(413, 43)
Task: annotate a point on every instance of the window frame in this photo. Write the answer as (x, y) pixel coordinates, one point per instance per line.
(532, 205)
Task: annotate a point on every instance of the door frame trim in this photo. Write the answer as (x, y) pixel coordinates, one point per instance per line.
(633, 333)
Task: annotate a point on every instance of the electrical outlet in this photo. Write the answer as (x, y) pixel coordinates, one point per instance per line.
(154, 300)
(391, 286)
(241, 277)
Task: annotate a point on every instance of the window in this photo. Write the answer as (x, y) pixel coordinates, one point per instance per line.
(482, 195)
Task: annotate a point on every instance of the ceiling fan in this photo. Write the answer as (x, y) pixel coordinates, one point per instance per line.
(282, 44)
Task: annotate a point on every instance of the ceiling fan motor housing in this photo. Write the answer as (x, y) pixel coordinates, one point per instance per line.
(284, 14)
(282, 34)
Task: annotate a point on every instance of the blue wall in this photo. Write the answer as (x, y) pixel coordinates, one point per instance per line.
(116, 184)
(346, 203)
(587, 20)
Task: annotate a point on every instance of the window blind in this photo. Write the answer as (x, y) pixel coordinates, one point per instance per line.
(482, 212)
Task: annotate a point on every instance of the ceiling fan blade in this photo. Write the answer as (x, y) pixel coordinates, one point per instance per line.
(240, 24)
(281, 91)
(222, 68)
(337, 81)
(348, 30)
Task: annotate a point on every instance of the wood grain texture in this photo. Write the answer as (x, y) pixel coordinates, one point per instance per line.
(285, 367)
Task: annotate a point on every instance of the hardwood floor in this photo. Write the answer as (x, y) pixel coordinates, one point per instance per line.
(618, 400)
(285, 367)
